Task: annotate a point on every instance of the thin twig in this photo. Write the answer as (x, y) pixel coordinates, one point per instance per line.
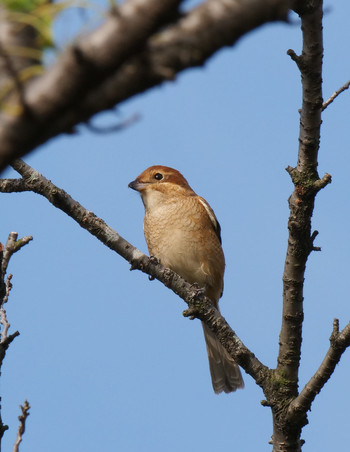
(22, 425)
(335, 95)
(3, 317)
(339, 341)
(115, 128)
(8, 251)
(12, 246)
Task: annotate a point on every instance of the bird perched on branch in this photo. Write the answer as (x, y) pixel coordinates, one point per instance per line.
(181, 230)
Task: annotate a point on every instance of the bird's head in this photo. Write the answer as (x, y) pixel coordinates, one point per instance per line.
(158, 183)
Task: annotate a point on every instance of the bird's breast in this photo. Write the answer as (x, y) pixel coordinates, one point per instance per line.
(182, 237)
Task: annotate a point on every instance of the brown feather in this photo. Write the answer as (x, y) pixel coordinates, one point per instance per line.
(182, 231)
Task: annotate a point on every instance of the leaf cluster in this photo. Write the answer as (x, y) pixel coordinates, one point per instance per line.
(26, 6)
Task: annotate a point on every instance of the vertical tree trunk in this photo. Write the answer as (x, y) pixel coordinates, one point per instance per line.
(286, 438)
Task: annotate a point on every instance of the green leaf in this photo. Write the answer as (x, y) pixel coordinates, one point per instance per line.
(23, 5)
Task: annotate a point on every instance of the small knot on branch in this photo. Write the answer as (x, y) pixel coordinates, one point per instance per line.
(314, 235)
(297, 59)
(321, 183)
(192, 313)
(294, 174)
(3, 429)
(153, 261)
(196, 297)
(290, 170)
(7, 341)
(312, 239)
(265, 403)
(335, 331)
(168, 277)
(133, 266)
(307, 181)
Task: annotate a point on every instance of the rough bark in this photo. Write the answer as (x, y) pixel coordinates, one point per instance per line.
(287, 429)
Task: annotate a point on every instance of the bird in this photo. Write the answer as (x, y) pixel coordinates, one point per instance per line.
(182, 232)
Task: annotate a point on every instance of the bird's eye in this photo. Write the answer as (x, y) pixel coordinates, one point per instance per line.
(158, 176)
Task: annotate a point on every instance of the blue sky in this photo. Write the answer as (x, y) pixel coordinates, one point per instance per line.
(105, 357)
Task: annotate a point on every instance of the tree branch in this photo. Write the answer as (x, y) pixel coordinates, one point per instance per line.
(301, 202)
(12, 246)
(82, 82)
(339, 342)
(307, 183)
(12, 185)
(22, 425)
(199, 306)
(335, 95)
(3, 317)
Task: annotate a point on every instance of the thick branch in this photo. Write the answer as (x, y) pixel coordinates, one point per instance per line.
(286, 436)
(81, 84)
(301, 202)
(199, 306)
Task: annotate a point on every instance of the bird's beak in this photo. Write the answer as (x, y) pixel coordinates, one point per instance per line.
(136, 185)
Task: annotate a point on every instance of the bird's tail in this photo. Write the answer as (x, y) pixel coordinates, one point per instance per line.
(225, 373)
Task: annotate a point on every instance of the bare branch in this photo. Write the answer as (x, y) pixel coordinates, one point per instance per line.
(322, 183)
(5, 343)
(22, 425)
(87, 63)
(3, 316)
(301, 202)
(12, 186)
(335, 95)
(122, 59)
(5, 288)
(296, 58)
(12, 246)
(339, 342)
(200, 306)
(286, 435)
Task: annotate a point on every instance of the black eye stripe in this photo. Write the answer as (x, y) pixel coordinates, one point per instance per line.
(158, 176)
